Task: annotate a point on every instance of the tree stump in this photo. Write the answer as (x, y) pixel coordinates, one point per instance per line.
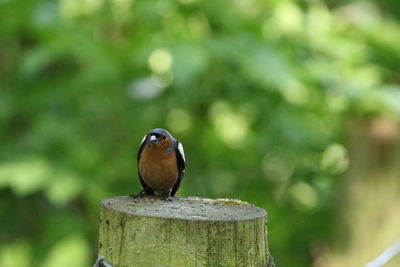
(188, 231)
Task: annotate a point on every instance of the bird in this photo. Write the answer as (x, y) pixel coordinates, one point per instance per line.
(161, 164)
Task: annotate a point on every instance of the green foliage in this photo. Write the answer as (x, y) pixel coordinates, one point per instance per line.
(259, 92)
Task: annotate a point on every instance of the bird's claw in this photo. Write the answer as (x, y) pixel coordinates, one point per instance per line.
(138, 195)
(167, 198)
(102, 262)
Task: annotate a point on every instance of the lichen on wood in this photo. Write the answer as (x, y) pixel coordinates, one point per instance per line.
(184, 232)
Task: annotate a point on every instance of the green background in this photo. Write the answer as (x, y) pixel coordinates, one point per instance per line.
(291, 105)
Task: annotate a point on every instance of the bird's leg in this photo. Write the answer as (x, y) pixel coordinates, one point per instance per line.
(168, 198)
(141, 193)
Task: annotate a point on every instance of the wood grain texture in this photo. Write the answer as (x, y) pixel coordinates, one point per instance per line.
(183, 232)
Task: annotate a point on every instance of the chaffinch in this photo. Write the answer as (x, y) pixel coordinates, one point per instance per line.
(161, 164)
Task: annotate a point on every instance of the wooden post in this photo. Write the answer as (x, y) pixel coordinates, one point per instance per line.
(187, 231)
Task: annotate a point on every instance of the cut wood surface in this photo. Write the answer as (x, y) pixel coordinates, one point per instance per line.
(188, 231)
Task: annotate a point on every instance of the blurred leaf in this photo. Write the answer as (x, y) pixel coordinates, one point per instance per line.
(190, 61)
(25, 176)
(389, 97)
(35, 60)
(17, 254)
(63, 188)
(265, 66)
(71, 251)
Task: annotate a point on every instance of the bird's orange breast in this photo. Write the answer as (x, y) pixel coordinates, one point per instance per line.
(158, 169)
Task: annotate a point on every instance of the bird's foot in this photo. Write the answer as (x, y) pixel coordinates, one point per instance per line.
(102, 262)
(142, 193)
(168, 198)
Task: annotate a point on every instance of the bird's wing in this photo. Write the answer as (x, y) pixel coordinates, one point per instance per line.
(139, 155)
(181, 162)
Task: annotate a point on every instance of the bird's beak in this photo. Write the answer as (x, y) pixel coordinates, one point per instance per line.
(153, 139)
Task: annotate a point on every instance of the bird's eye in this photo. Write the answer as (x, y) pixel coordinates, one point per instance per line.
(163, 136)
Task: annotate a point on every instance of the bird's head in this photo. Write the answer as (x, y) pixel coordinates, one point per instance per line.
(159, 138)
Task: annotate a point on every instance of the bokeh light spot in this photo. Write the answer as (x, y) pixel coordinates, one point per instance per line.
(304, 194)
(288, 17)
(335, 159)
(319, 22)
(160, 60)
(149, 87)
(231, 127)
(277, 166)
(74, 8)
(178, 120)
(295, 93)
